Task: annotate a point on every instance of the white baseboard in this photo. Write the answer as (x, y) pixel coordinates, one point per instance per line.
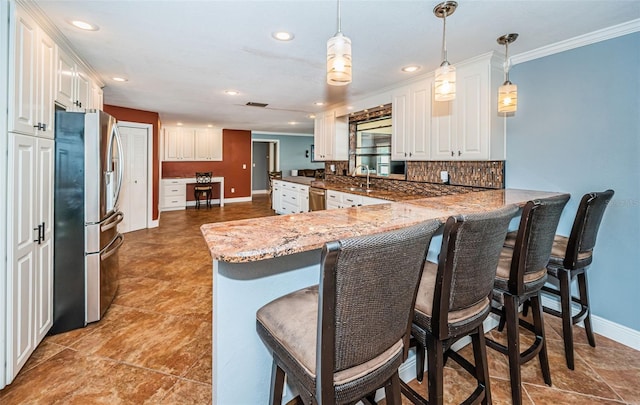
(614, 331)
(260, 192)
(237, 199)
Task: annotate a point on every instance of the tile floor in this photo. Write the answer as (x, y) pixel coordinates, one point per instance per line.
(154, 344)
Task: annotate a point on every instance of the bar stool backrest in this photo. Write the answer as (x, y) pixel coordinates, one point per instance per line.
(534, 240)
(203, 177)
(585, 228)
(467, 264)
(368, 287)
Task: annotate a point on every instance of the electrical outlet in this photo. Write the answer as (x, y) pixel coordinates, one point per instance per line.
(233, 190)
(244, 166)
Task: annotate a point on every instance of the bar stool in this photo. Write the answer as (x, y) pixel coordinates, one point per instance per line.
(519, 278)
(203, 188)
(340, 341)
(454, 298)
(570, 259)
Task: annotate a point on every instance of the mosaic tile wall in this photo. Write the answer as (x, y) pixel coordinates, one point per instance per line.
(423, 178)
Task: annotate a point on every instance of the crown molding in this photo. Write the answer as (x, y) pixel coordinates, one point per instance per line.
(33, 10)
(604, 34)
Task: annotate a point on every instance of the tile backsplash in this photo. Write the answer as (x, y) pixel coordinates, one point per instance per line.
(424, 177)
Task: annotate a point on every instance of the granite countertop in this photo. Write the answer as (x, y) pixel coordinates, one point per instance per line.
(382, 194)
(257, 239)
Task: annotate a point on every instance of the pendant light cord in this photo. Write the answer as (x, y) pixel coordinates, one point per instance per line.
(339, 25)
(444, 37)
(506, 62)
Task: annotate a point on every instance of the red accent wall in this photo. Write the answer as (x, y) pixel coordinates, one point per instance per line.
(145, 117)
(236, 151)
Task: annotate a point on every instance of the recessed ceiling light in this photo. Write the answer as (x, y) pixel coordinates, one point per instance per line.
(411, 68)
(282, 35)
(83, 25)
(209, 126)
(231, 92)
(120, 79)
(312, 116)
(292, 123)
(179, 124)
(318, 103)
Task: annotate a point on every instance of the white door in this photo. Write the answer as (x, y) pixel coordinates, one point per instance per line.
(134, 194)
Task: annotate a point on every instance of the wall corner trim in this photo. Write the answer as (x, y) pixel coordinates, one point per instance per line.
(604, 34)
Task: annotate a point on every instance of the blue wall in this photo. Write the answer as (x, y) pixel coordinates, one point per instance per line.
(577, 129)
(292, 151)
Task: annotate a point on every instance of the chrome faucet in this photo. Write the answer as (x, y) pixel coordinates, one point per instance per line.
(356, 169)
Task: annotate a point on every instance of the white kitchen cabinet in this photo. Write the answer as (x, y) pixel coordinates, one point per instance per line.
(192, 144)
(30, 247)
(179, 144)
(331, 137)
(97, 99)
(173, 194)
(411, 120)
(74, 88)
(338, 199)
(31, 79)
(276, 196)
(293, 198)
(208, 144)
(469, 127)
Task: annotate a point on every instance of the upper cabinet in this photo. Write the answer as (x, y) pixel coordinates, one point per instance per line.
(208, 144)
(469, 127)
(192, 144)
(331, 136)
(32, 85)
(411, 116)
(74, 88)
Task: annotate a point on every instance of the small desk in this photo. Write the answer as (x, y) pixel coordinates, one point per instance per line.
(173, 192)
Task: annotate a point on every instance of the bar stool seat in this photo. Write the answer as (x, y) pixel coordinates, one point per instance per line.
(340, 341)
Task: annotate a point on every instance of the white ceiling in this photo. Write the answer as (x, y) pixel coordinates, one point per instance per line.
(181, 55)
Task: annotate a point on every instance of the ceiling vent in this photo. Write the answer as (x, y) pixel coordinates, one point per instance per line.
(252, 104)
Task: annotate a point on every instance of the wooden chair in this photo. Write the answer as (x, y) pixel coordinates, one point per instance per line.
(570, 259)
(203, 188)
(519, 278)
(454, 299)
(340, 341)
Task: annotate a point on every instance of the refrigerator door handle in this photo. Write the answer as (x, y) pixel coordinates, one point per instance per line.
(113, 247)
(116, 134)
(112, 221)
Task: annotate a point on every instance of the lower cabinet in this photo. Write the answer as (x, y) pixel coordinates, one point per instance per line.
(337, 199)
(29, 280)
(173, 195)
(289, 198)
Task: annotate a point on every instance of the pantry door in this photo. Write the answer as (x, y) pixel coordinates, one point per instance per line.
(134, 197)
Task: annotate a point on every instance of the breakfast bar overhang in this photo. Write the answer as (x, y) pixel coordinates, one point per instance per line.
(258, 260)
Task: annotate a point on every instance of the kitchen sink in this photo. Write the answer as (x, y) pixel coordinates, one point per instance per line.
(360, 189)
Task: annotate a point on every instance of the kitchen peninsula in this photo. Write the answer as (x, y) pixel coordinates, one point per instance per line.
(258, 260)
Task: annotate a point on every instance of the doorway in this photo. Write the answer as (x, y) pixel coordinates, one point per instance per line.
(265, 157)
(135, 195)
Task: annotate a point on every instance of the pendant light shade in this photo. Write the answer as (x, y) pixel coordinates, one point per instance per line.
(508, 92)
(445, 75)
(339, 58)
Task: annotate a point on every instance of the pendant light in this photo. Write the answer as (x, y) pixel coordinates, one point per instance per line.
(508, 92)
(445, 86)
(339, 58)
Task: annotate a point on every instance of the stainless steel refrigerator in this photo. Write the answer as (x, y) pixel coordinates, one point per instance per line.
(88, 178)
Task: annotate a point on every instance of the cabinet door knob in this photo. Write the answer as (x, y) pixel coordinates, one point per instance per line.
(451, 153)
(459, 153)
